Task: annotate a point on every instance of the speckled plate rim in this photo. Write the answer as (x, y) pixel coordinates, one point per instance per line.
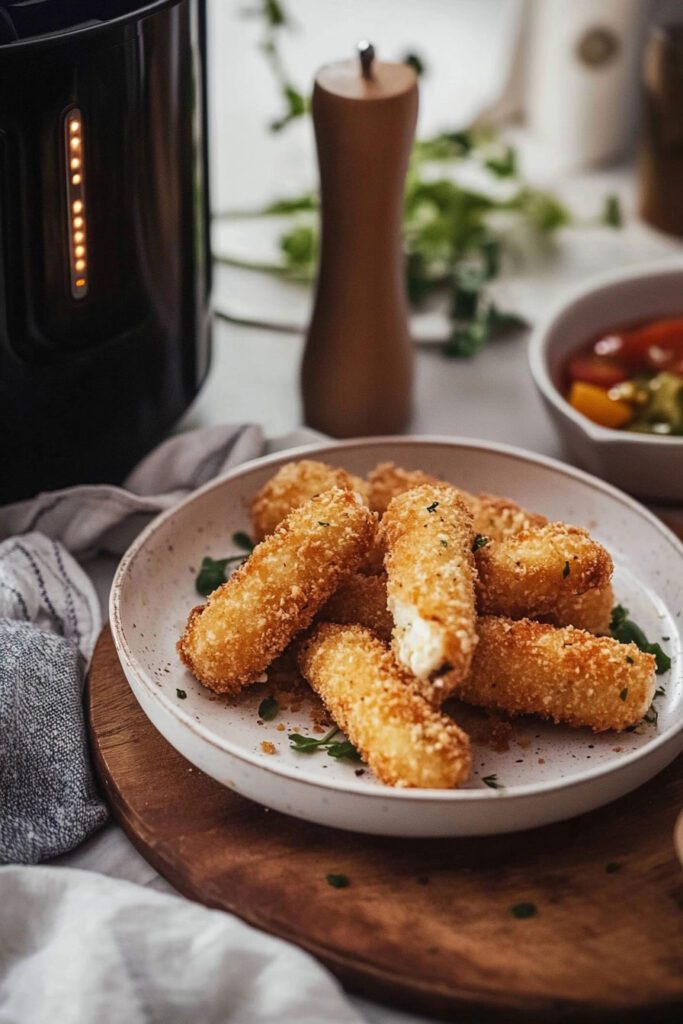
(672, 737)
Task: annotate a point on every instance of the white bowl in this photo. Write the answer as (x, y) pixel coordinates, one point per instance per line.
(548, 772)
(642, 464)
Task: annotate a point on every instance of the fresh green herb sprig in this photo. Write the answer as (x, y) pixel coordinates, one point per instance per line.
(311, 745)
(627, 631)
(268, 708)
(492, 782)
(213, 571)
(451, 243)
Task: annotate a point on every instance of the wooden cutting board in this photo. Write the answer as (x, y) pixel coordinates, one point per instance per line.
(437, 926)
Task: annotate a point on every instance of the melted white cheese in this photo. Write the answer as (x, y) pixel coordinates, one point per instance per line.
(419, 643)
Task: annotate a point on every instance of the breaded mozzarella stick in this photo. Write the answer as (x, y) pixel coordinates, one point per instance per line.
(400, 736)
(494, 517)
(527, 574)
(248, 621)
(497, 518)
(427, 537)
(568, 675)
(292, 485)
(591, 611)
(387, 481)
(361, 600)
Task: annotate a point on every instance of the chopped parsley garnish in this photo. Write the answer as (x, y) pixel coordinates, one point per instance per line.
(626, 631)
(433, 507)
(630, 660)
(180, 694)
(268, 708)
(212, 573)
(651, 716)
(344, 749)
(242, 540)
(338, 881)
(321, 522)
(524, 910)
(624, 693)
(492, 782)
(310, 745)
(479, 542)
(444, 543)
(566, 570)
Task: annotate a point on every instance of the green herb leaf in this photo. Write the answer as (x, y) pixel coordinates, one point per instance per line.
(268, 709)
(492, 782)
(480, 541)
(626, 631)
(303, 744)
(310, 745)
(180, 694)
(651, 716)
(611, 214)
(322, 523)
(504, 164)
(242, 540)
(212, 573)
(501, 321)
(524, 910)
(413, 60)
(338, 881)
(295, 106)
(566, 570)
(443, 542)
(345, 749)
(433, 507)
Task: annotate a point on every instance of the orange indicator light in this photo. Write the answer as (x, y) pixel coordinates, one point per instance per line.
(75, 195)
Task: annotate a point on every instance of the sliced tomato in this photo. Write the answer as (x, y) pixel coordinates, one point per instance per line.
(598, 370)
(655, 346)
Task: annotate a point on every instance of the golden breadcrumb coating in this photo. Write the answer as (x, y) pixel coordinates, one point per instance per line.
(249, 620)
(292, 485)
(498, 518)
(526, 574)
(427, 535)
(361, 600)
(567, 675)
(494, 517)
(591, 611)
(387, 480)
(402, 738)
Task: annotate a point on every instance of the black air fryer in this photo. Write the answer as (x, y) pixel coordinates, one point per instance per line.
(104, 259)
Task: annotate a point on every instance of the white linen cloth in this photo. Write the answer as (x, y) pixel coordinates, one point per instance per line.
(76, 946)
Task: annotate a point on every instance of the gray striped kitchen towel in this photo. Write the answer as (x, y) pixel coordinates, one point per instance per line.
(49, 622)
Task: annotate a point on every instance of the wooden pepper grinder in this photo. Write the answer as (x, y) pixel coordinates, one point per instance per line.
(358, 363)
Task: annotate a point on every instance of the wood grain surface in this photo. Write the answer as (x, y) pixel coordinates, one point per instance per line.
(424, 924)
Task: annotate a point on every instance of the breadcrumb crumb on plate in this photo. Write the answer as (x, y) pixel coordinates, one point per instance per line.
(547, 773)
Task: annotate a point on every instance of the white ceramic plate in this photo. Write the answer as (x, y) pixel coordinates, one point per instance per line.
(548, 773)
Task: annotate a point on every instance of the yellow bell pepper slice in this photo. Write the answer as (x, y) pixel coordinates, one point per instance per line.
(596, 404)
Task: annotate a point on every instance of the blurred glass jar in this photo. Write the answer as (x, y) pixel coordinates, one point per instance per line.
(660, 178)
